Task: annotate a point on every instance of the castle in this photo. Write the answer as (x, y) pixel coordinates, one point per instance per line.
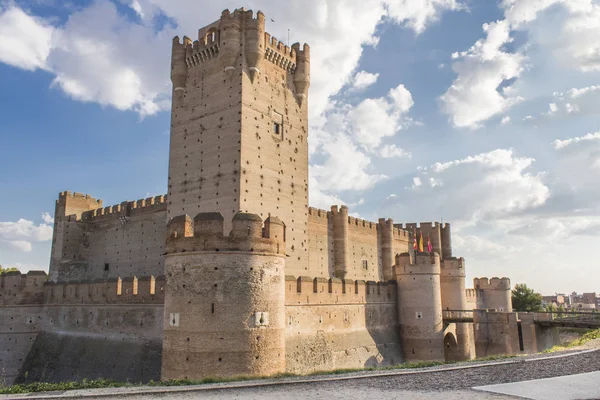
(232, 273)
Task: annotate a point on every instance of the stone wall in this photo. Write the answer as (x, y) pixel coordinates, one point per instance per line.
(110, 329)
(362, 242)
(340, 324)
(123, 240)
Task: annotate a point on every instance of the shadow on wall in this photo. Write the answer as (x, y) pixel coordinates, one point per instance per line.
(56, 357)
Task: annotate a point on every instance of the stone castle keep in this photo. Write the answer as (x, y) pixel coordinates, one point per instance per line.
(232, 273)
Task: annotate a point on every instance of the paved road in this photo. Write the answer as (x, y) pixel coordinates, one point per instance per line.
(437, 384)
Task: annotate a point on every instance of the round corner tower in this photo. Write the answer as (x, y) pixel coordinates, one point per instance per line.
(420, 306)
(224, 301)
(452, 279)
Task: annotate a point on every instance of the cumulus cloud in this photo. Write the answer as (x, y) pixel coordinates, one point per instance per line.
(47, 218)
(590, 137)
(487, 186)
(477, 93)
(20, 235)
(345, 168)
(393, 151)
(25, 40)
(417, 14)
(363, 80)
(577, 101)
(374, 119)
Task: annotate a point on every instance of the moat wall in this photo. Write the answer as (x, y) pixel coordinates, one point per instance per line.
(109, 329)
(72, 342)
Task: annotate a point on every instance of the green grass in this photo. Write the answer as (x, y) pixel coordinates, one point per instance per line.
(586, 337)
(108, 383)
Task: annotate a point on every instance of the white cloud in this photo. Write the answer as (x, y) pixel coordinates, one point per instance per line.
(20, 234)
(345, 168)
(137, 7)
(20, 245)
(561, 144)
(578, 101)
(363, 80)
(476, 94)
(417, 14)
(373, 119)
(47, 218)
(477, 188)
(505, 120)
(393, 151)
(100, 56)
(25, 41)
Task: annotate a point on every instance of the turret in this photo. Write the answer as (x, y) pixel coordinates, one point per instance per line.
(452, 280)
(386, 232)
(340, 241)
(446, 240)
(420, 306)
(230, 38)
(438, 234)
(178, 65)
(66, 235)
(302, 73)
(224, 302)
(496, 293)
(255, 43)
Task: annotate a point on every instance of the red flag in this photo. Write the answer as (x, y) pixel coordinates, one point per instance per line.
(429, 246)
(415, 245)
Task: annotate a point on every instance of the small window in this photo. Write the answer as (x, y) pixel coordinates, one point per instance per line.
(106, 266)
(277, 125)
(365, 264)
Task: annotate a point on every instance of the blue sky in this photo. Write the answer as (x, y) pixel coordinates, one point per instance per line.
(480, 113)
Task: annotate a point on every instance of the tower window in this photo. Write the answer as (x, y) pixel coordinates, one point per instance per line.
(106, 266)
(365, 264)
(277, 125)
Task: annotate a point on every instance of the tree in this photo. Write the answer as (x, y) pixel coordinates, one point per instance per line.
(2, 270)
(526, 299)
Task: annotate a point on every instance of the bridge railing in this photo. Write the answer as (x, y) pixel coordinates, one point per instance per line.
(567, 316)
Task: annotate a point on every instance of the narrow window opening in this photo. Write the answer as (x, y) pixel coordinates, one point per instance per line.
(106, 266)
(212, 308)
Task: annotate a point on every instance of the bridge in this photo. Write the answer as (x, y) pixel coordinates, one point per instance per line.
(571, 319)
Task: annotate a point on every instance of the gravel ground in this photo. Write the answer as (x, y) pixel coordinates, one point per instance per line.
(438, 383)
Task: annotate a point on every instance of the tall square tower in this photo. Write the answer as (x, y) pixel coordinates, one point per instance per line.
(239, 127)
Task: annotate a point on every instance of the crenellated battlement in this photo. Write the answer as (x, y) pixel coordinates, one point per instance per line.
(492, 284)
(422, 225)
(418, 263)
(439, 234)
(205, 234)
(453, 267)
(281, 55)
(76, 195)
(318, 214)
(304, 290)
(74, 203)
(126, 209)
(17, 288)
(128, 290)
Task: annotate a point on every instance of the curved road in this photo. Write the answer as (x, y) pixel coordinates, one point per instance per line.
(437, 383)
